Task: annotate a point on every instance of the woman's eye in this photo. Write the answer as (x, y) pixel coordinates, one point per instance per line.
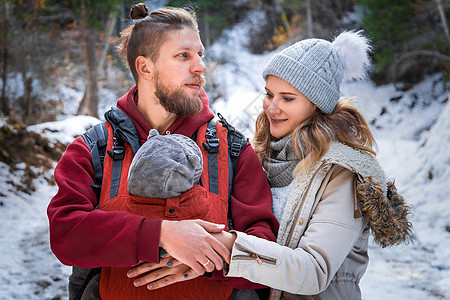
(287, 99)
(184, 55)
(269, 95)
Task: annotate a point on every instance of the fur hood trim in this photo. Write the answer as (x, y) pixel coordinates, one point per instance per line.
(387, 215)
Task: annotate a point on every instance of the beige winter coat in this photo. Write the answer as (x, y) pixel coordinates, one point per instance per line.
(323, 238)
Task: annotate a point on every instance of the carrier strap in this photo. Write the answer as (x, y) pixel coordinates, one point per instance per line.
(236, 142)
(124, 131)
(96, 138)
(117, 154)
(212, 147)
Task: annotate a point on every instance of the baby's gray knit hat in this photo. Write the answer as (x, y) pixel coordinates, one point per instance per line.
(165, 166)
(316, 67)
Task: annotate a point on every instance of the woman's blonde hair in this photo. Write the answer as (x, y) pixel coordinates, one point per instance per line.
(313, 136)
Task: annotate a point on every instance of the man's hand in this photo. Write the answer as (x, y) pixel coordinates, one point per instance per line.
(166, 272)
(189, 242)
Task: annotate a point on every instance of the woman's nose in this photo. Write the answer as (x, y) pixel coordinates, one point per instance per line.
(273, 107)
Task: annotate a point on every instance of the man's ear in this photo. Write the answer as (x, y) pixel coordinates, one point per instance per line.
(144, 67)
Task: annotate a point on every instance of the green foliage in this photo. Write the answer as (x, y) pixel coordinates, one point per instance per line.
(211, 14)
(203, 4)
(95, 11)
(387, 23)
(386, 19)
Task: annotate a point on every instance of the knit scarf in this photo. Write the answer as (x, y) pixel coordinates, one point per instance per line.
(281, 164)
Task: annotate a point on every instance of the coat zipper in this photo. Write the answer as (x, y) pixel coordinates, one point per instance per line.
(253, 256)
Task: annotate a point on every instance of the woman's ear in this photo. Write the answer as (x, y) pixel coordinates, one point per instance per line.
(144, 67)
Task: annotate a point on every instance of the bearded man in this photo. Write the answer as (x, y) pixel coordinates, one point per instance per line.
(164, 53)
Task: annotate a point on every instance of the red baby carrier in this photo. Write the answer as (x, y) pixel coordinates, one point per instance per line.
(113, 145)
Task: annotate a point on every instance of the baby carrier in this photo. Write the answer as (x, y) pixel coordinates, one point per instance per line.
(113, 145)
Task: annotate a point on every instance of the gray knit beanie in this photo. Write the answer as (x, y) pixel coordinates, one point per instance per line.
(165, 166)
(316, 68)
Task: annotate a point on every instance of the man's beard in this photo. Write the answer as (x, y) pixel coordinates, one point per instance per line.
(176, 101)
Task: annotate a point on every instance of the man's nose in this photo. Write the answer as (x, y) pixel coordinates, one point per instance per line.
(199, 66)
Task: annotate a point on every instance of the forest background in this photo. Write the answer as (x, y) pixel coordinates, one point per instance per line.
(58, 60)
(44, 43)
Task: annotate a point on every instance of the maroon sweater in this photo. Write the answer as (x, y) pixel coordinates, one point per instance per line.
(82, 236)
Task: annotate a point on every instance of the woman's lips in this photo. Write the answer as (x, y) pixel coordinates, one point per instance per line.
(277, 121)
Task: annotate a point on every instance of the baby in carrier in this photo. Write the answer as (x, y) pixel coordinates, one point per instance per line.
(163, 182)
(165, 166)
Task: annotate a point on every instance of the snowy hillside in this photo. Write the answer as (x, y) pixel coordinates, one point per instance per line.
(412, 130)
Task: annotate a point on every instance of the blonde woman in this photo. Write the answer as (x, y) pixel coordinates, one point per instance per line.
(328, 189)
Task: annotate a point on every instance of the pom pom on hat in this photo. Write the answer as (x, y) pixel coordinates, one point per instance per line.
(316, 67)
(353, 50)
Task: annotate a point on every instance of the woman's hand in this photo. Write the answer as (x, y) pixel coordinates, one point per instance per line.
(158, 275)
(227, 239)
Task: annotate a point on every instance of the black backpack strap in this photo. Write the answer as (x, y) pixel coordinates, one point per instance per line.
(117, 154)
(96, 138)
(236, 142)
(124, 131)
(212, 147)
(88, 279)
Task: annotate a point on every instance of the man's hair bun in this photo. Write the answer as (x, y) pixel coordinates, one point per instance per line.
(139, 11)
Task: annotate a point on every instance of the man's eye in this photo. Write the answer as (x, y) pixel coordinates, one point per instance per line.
(184, 55)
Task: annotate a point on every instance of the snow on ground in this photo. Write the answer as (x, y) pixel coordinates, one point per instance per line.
(72, 95)
(28, 269)
(412, 131)
(65, 131)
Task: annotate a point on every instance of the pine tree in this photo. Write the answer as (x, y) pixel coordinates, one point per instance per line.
(387, 22)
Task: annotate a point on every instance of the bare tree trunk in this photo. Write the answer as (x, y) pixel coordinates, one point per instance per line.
(443, 18)
(338, 8)
(28, 100)
(4, 100)
(89, 103)
(206, 28)
(309, 19)
(207, 34)
(110, 24)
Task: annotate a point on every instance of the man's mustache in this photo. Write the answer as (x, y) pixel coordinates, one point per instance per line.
(198, 78)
